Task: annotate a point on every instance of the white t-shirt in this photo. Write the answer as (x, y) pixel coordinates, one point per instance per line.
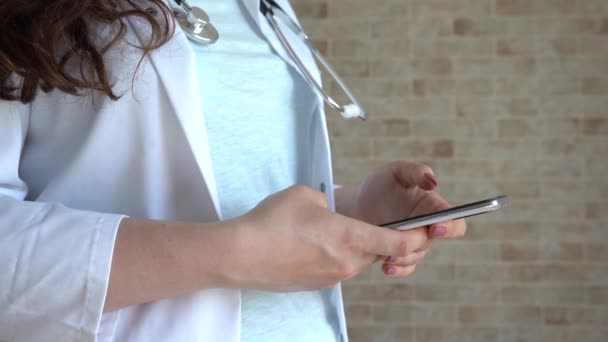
(258, 113)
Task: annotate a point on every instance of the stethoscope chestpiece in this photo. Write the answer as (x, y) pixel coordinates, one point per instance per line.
(195, 24)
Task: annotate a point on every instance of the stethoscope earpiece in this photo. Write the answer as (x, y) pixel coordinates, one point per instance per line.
(195, 23)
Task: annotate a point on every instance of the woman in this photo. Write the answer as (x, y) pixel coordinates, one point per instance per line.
(134, 190)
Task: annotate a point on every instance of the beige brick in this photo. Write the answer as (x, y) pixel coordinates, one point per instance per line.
(475, 108)
(389, 68)
(371, 333)
(345, 47)
(514, 169)
(398, 149)
(483, 273)
(441, 47)
(338, 28)
(431, 26)
(519, 251)
(562, 106)
(522, 315)
(438, 333)
(595, 86)
(564, 273)
(435, 293)
(568, 316)
(596, 211)
(321, 45)
(450, 7)
(499, 149)
(572, 230)
(431, 67)
(507, 66)
(358, 313)
(595, 106)
(595, 126)
(392, 313)
(479, 26)
(565, 168)
(596, 252)
(563, 189)
(517, 128)
(356, 9)
(597, 294)
(554, 7)
(564, 251)
(515, 46)
(561, 46)
(351, 148)
(382, 28)
(348, 67)
(516, 87)
(558, 148)
(443, 149)
(452, 128)
(311, 9)
(357, 293)
(561, 127)
(430, 272)
(394, 47)
(514, 7)
(517, 25)
(385, 127)
(596, 168)
(524, 273)
(458, 169)
(452, 87)
(479, 293)
(592, 6)
(479, 315)
(543, 295)
(568, 26)
(464, 252)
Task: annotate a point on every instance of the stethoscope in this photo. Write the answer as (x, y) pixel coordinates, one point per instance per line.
(195, 23)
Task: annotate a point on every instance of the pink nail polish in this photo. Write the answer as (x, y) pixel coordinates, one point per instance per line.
(431, 178)
(390, 259)
(439, 231)
(389, 270)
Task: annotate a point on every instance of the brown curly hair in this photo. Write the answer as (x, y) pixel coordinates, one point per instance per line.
(40, 37)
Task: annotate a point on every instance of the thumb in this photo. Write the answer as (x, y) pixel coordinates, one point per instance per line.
(382, 241)
(413, 174)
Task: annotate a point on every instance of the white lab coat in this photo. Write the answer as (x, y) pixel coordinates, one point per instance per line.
(72, 167)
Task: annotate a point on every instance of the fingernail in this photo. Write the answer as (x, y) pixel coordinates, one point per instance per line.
(389, 270)
(431, 178)
(439, 231)
(390, 259)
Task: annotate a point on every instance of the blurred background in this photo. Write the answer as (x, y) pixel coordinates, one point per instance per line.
(499, 96)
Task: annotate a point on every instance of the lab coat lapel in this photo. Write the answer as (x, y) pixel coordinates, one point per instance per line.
(175, 66)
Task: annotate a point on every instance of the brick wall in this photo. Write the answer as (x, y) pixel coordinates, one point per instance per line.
(499, 96)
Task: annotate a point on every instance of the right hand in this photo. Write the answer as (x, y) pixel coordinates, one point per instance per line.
(292, 242)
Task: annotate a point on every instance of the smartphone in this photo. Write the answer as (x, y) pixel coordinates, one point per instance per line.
(471, 209)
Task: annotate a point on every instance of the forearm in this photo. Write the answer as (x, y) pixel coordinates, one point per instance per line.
(154, 260)
(345, 199)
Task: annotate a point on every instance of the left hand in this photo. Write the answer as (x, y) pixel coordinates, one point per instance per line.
(395, 191)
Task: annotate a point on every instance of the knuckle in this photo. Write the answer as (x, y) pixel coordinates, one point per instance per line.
(346, 271)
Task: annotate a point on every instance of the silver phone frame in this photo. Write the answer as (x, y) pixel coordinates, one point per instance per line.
(466, 210)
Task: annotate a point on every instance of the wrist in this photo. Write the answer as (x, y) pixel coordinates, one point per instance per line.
(231, 261)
